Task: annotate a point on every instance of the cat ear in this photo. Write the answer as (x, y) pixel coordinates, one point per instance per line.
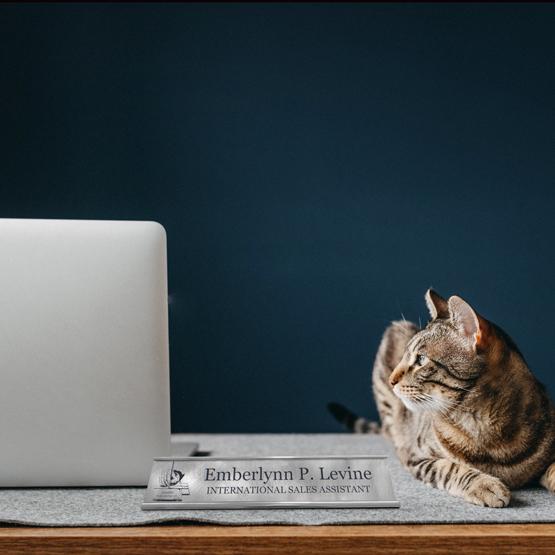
(469, 323)
(436, 304)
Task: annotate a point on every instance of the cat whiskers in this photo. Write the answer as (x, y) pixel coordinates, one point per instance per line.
(443, 406)
(426, 401)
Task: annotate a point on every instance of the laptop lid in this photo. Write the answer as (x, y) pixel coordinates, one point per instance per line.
(84, 389)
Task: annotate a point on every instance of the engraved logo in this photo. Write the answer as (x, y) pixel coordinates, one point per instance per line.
(170, 478)
(173, 479)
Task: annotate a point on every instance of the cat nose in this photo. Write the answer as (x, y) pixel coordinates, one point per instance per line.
(396, 376)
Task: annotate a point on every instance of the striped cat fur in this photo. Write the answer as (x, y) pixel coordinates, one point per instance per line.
(462, 408)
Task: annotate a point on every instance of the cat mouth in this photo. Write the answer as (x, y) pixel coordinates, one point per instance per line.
(419, 402)
(413, 402)
(414, 405)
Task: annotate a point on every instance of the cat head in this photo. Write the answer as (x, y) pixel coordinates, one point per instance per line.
(442, 362)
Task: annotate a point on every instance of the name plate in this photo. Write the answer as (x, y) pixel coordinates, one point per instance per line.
(269, 482)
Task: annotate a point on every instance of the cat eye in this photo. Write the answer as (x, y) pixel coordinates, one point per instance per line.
(420, 360)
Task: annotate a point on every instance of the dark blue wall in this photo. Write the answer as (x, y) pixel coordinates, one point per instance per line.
(316, 168)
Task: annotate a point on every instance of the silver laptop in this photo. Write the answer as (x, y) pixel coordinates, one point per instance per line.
(84, 373)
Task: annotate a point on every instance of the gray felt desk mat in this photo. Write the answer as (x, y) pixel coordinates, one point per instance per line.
(121, 506)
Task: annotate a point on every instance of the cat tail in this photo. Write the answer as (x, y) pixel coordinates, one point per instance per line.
(353, 423)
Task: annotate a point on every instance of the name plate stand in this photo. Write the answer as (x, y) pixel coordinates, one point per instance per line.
(269, 482)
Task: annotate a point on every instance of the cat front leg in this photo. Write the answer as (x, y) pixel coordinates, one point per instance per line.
(461, 480)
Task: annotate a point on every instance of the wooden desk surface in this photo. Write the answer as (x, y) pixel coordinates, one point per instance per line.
(266, 540)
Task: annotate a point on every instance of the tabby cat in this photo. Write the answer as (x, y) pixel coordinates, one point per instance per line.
(463, 410)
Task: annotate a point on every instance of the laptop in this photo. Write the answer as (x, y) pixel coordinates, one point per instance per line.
(84, 371)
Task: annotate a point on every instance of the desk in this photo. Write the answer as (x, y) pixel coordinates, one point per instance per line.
(400, 539)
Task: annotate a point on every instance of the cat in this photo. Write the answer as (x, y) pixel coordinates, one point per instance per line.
(460, 405)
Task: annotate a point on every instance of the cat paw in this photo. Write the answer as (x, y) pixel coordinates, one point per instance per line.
(488, 491)
(548, 478)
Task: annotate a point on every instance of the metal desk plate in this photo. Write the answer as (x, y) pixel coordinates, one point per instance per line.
(269, 482)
